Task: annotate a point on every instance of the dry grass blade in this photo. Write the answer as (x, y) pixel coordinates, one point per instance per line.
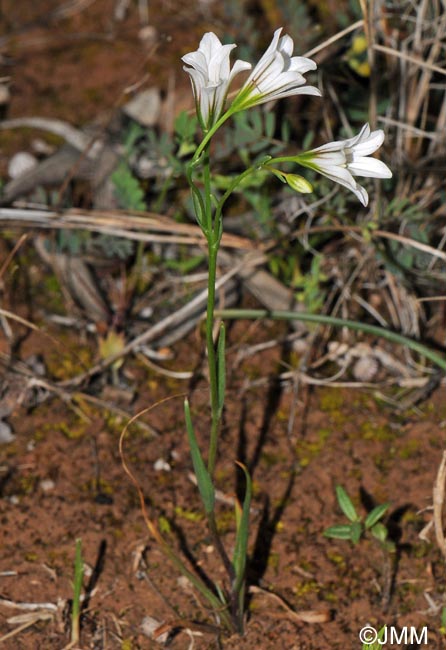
(172, 320)
(421, 63)
(69, 133)
(33, 618)
(10, 255)
(304, 616)
(438, 499)
(334, 38)
(147, 226)
(406, 241)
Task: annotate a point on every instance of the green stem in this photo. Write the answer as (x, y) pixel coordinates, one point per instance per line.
(320, 319)
(212, 359)
(209, 135)
(300, 159)
(233, 185)
(77, 589)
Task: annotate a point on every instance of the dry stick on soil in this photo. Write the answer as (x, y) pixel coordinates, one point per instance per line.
(438, 499)
(30, 381)
(410, 59)
(10, 256)
(368, 11)
(304, 616)
(146, 226)
(44, 615)
(172, 320)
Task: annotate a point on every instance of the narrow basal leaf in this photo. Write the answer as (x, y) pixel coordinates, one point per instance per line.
(241, 539)
(203, 479)
(221, 368)
(375, 515)
(346, 504)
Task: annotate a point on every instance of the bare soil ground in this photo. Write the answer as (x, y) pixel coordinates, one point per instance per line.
(62, 478)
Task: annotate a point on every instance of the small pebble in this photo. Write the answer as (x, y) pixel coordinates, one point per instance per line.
(47, 485)
(6, 435)
(161, 465)
(21, 163)
(145, 107)
(366, 368)
(148, 627)
(148, 35)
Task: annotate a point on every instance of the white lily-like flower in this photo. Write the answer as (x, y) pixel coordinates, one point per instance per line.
(277, 74)
(211, 76)
(341, 161)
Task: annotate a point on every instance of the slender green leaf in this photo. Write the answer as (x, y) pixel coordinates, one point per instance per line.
(241, 539)
(375, 515)
(340, 531)
(333, 321)
(77, 588)
(204, 480)
(346, 504)
(221, 369)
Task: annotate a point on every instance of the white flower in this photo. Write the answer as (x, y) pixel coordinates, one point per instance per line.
(277, 74)
(211, 75)
(340, 161)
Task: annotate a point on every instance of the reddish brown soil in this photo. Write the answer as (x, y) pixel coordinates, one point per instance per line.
(339, 436)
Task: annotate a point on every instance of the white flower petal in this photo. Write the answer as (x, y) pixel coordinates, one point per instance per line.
(329, 146)
(302, 64)
(210, 73)
(286, 45)
(276, 75)
(371, 144)
(343, 177)
(370, 167)
(330, 158)
(339, 161)
(239, 66)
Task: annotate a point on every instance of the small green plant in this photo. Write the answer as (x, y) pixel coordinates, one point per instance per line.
(358, 526)
(128, 190)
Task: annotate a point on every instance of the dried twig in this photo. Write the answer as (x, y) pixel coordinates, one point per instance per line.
(303, 616)
(438, 500)
(147, 226)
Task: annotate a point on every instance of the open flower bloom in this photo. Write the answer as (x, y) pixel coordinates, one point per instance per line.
(211, 76)
(342, 160)
(277, 74)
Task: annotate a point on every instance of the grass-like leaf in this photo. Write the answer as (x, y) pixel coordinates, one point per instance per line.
(204, 480)
(241, 540)
(375, 515)
(346, 504)
(77, 589)
(339, 531)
